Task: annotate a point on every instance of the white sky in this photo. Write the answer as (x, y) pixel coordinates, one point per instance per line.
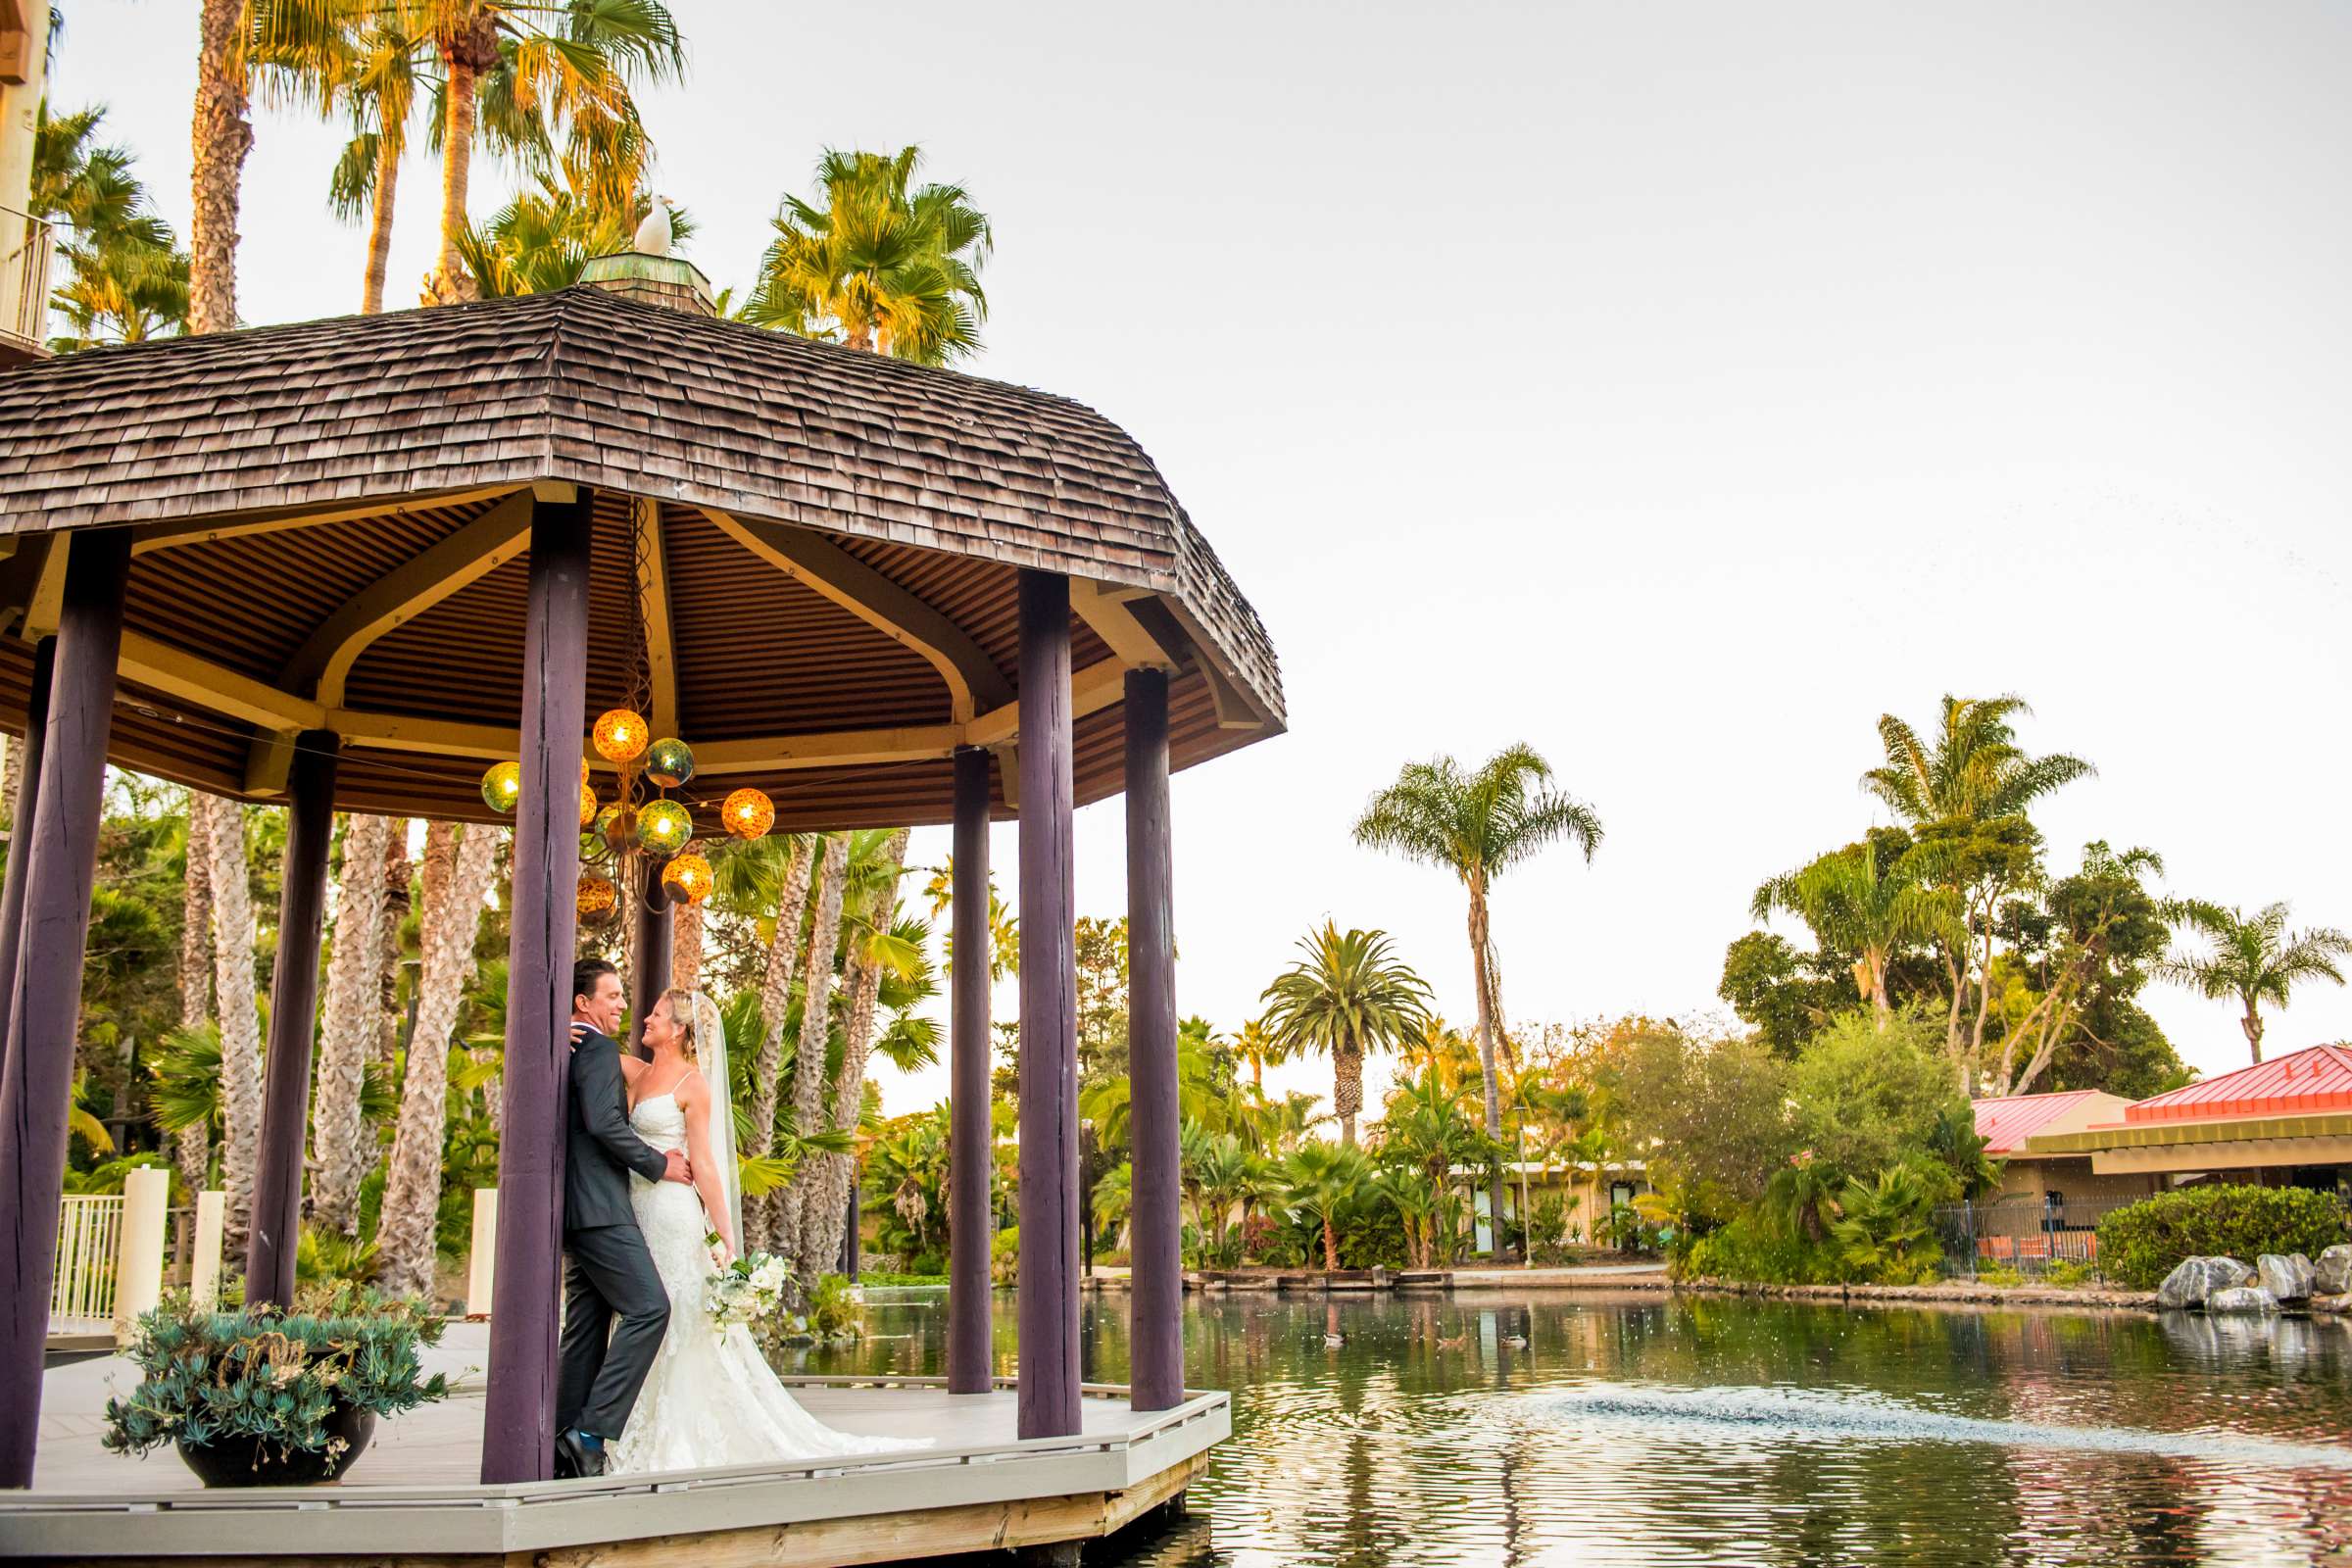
(1674, 387)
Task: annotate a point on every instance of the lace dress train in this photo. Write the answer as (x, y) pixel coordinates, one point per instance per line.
(711, 1399)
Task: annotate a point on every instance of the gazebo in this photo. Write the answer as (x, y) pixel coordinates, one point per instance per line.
(350, 564)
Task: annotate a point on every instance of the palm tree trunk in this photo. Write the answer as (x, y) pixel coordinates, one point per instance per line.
(192, 1145)
(2251, 1023)
(816, 1016)
(456, 879)
(220, 139)
(1479, 940)
(837, 1173)
(399, 873)
(685, 946)
(450, 283)
(340, 1146)
(240, 1016)
(760, 1213)
(1346, 1087)
(379, 223)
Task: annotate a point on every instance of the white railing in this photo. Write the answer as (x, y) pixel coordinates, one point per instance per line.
(90, 1234)
(25, 246)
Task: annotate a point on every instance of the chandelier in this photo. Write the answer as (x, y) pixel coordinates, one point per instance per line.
(644, 826)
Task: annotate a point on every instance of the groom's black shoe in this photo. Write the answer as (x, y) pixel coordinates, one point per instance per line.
(578, 1454)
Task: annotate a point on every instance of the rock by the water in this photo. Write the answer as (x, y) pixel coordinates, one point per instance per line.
(2333, 1276)
(2241, 1299)
(2195, 1279)
(2332, 1304)
(2288, 1277)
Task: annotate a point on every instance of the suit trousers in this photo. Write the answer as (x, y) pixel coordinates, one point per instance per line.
(608, 1275)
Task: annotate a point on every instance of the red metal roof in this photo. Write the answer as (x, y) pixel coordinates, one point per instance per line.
(2008, 1121)
(2316, 1079)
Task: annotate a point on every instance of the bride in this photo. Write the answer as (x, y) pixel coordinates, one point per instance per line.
(711, 1399)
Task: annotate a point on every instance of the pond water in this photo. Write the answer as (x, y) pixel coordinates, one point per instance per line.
(1640, 1429)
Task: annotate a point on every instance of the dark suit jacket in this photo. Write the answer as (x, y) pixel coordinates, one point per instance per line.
(599, 1148)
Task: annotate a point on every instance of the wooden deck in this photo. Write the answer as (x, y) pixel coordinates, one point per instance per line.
(413, 1498)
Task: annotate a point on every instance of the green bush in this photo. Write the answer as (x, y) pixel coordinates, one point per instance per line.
(2141, 1244)
(1751, 1251)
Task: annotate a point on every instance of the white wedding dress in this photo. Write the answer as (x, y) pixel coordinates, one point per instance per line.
(711, 1399)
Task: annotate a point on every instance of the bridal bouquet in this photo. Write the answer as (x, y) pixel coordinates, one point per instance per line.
(747, 1291)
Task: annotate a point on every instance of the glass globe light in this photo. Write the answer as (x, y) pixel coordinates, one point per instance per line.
(622, 736)
(502, 786)
(664, 826)
(669, 762)
(587, 806)
(749, 814)
(583, 770)
(616, 827)
(598, 897)
(689, 876)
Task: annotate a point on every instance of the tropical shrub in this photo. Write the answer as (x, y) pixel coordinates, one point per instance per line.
(1886, 1234)
(271, 1375)
(2139, 1245)
(1005, 1256)
(1548, 1241)
(835, 1311)
(1752, 1249)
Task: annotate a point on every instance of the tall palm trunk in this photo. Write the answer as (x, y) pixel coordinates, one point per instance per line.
(1347, 1087)
(685, 947)
(399, 873)
(379, 223)
(1484, 974)
(2251, 1023)
(760, 1213)
(220, 138)
(340, 1147)
(817, 1017)
(240, 1016)
(837, 1173)
(192, 1145)
(464, 58)
(456, 878)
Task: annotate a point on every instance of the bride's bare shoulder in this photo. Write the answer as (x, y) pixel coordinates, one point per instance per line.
(630, 1067)
(689, 1089)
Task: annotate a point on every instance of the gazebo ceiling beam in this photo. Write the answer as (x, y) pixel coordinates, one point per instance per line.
(33, 586)
(652, 608)
(1140, 641)
(323, 665)
(173, 535)
(974, 684)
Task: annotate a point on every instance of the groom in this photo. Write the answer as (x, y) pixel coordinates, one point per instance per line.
(607, 1270)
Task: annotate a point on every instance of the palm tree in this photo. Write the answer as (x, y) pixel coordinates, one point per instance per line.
(191, 1141)
(1004, 925)
(1425, 1130)
(369, 69)
(1260, 1050)
(222, 137)
(1349, 995)
(1322, 1181)
(340, 1146)
(877, 261)
(539, 242)
(1856, 902)
(1478, 825)
(1974, 772)
(219, 826)
(128, 280)
(456, 882)
(2254, 958)
(788, 1214)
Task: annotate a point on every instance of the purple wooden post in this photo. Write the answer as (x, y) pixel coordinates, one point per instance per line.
(519, 1420)
(649, 960)
(1155, 1333)
(1048, 1291)
(20, 827)
(36, 1069)
(293, 1011)
(972, 1137)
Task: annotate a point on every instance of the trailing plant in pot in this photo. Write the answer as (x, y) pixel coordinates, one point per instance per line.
(270, 1396)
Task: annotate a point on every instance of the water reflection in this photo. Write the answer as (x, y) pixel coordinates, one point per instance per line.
(1577, 1429)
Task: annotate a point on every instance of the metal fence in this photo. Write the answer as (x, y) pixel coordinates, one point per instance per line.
(25, 245)
(89, 1230)
(2026, 1236)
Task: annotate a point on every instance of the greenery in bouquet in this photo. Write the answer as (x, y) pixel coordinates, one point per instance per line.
(747, 1292)
(271, 1374)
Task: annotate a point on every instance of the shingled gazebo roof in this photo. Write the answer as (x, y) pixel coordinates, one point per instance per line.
(331, 525)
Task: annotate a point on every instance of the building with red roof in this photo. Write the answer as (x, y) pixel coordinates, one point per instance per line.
(2286, 1123)
(2010, 1123)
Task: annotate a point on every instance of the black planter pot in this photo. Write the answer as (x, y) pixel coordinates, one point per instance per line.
(258, 1462)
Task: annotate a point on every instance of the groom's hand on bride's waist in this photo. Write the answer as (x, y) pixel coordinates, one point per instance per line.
(679, 1170)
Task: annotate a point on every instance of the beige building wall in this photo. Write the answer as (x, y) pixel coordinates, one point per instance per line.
(23, 246)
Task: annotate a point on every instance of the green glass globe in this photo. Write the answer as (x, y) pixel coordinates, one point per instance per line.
(502, 786)
(669, 762)
(664, 826)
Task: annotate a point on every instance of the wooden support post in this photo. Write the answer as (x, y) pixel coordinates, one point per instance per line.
(648, 952)
(277, 1225)
(36, 1069)
(1048, 1399)
(20, 827)
(1155, 1303)
(971, 1136)
(519, 1419)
